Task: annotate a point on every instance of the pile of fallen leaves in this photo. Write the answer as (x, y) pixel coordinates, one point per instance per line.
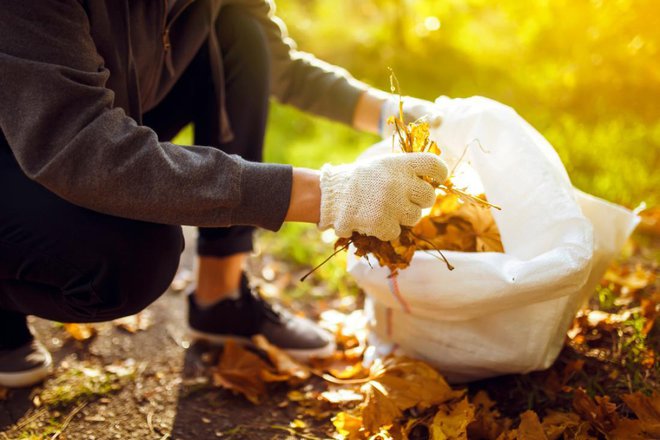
(603, 385)
(457, 226)
(458, 220)
(403, 398)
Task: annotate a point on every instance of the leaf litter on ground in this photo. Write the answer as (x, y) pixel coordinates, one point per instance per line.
(603, 385)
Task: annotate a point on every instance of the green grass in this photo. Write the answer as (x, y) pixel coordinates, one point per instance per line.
(74, 385)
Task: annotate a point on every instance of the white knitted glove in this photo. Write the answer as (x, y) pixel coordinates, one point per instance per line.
(377, 196)
(413, 109)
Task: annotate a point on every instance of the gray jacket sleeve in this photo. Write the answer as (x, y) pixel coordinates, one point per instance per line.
(60, 123)
(300, 79)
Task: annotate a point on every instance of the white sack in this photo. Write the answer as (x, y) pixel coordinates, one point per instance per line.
(498, 313)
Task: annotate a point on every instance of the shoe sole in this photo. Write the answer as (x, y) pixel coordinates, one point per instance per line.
(28, 378)
(302, 355)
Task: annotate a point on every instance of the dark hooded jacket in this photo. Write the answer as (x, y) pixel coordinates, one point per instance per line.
(76, 76)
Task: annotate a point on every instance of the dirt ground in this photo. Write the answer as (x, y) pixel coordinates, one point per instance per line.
(153, 384)
(166, 395)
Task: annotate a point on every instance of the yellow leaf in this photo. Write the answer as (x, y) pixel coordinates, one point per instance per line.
(451, 421)
(348, 425)
(410, 382)
(341, 396)
(80, 332)
(398, 384)
(298, 424)
(379, 410)
(425, 228)
(295, 396)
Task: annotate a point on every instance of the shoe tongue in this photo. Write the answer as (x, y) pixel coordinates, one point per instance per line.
(259, 304)
(269, 311)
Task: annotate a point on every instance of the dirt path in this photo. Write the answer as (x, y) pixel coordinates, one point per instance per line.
(166, 394)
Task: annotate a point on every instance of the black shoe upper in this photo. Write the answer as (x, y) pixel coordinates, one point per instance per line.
(250, 315)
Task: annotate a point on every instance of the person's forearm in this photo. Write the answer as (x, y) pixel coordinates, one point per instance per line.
(305, 203)
(367, 110)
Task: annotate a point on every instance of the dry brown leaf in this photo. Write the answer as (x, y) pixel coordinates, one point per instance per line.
(649, 312)
(647, 410)
(350, 370)
(600, 412)
(134, 323)
(530, 427)
(399, 383)
(633, 280)
(80, 332)
(240, 370)
(509, 435)
(451, 421)
(412, 383)
(284, 364)
(650, 221)
(556, 423)
(488, 423)
(628, 429)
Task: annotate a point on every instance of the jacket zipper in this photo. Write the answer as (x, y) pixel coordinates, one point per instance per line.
(166, 34)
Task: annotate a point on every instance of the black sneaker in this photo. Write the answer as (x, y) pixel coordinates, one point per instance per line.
(251, 315)
(25, 366)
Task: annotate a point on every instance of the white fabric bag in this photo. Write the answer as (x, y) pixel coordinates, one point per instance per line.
(498, 313)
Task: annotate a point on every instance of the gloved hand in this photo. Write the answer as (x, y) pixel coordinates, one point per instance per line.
(413, 109)
(377, 196)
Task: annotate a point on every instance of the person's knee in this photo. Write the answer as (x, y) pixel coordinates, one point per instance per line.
(149, 269)
(130, 275)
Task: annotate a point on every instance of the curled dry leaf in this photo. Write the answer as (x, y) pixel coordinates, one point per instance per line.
(240, 370)
(247, 373)
(134, 323)
(284, 365)
(488, 423)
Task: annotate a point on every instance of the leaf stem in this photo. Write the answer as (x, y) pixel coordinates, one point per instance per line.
(343, 248)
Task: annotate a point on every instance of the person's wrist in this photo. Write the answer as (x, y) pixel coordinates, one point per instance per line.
(305, 203)
(368, 110)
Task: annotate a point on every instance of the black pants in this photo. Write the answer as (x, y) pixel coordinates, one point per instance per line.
(65, 263)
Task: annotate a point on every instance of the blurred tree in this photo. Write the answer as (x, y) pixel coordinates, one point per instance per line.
(586, 73)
